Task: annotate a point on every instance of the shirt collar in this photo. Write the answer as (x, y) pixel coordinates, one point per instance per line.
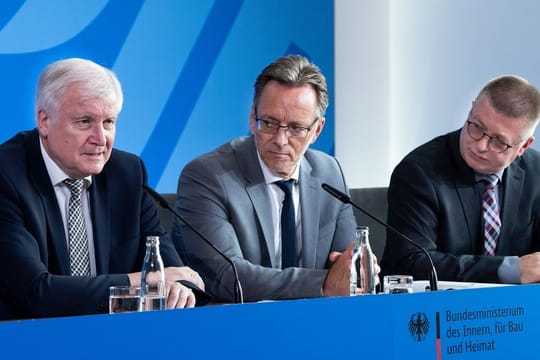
(478, 177)
(270, 178)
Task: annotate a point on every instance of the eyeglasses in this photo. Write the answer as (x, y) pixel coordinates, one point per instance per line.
(494, 143)
(272, 127)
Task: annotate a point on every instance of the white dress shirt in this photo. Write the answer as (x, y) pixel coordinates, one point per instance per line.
(62, 192)
(276, 204)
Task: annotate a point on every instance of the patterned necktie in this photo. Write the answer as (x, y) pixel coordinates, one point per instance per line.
(490, 210)
(79, 257)
(288, 226)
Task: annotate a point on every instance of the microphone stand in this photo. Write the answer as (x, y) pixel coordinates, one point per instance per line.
(347, 200)
(238, 295)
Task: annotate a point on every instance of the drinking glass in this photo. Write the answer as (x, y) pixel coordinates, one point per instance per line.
(398, 284)
(124, 299)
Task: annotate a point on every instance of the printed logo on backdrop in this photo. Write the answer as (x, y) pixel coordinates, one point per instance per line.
(419, 326)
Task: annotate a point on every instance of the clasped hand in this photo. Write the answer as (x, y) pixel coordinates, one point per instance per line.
(178, 295)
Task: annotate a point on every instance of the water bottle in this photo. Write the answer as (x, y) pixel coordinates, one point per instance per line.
(367, 269)
(153, 288)
(354, 272)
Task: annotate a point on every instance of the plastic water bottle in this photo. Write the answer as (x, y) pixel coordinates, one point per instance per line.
(153, 288)
(367, 269)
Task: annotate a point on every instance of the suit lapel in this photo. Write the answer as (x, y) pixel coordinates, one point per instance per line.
(246, 157)
(259, 198)
(513, 184)
(309, 205)
(53, 219)
(467, 193)
(471, 205)
(101, 222)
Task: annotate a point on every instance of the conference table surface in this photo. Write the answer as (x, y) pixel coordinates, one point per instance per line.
(477, 322)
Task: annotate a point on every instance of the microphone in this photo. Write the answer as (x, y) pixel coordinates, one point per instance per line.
(347, 200)
(238, 295)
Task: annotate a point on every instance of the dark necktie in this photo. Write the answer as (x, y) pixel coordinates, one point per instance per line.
(490, 210)
(79, 257)
(288, 226)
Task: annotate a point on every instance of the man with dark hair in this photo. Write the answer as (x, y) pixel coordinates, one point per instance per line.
(471, 198)
(237, 196)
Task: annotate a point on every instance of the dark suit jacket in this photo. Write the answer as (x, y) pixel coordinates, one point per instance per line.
(224, 195)
(433, 199)
(34, 260)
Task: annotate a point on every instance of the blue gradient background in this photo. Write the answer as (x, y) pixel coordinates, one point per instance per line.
(187, 67)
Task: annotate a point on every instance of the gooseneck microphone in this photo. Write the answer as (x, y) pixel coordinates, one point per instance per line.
(238, 295)
(347, 200)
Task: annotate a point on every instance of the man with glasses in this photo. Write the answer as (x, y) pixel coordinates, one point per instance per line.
(259, 198)
(471, 197)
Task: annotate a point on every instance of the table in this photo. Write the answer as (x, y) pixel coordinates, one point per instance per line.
(479, 323)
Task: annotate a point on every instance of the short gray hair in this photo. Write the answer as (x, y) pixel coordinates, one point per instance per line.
(294, 71)
(94, 80)
(513, 96)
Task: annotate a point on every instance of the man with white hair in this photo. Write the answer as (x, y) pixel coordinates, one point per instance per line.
(73, 213)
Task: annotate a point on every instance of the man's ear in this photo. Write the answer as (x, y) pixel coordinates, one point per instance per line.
(319, 126)
(252, 122)
(43, 123)
(526, 145)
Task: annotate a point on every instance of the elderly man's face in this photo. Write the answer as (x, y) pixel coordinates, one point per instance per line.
(80, 136)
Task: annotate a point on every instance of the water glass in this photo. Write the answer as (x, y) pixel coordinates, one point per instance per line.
(398, 284)
(124, 299)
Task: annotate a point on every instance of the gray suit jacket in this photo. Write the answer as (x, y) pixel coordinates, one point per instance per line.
(224, 195)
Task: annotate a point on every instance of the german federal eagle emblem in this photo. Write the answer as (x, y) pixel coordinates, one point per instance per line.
(419, 326)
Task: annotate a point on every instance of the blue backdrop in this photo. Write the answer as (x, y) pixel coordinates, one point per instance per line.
(187, 66)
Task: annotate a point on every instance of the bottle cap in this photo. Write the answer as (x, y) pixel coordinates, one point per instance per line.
(152, 239)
